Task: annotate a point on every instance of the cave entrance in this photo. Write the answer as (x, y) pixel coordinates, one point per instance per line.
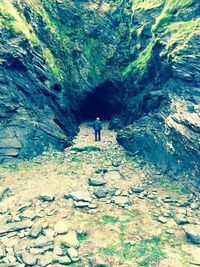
(103, 101)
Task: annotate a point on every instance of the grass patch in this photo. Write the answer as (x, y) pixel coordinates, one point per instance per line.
(82, 237)
(15, 167)
(110, 219)
(86, 149)
(110, 250)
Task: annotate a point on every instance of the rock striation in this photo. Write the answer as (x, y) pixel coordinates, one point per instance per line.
(53, 54)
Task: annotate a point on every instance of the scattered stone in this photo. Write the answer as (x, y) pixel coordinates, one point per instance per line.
(4, 192)
(192, 232)
(95, 182)
(73, 254)
(47, 198)
(92, 206)
(180, 219)
(69, 240)
(168, 200)
(98, 261)
(194, 206)
(183, 203)
(100, 193)
(81, 204)
(151, 196)
(2, 251)
(170, 232)
(47, 260)
(14, 227)
(121, 201)
(162, 219)
(137, 190)
(36, 232)
(118, 193)
(24, 206)
(64, 260)
(81, 196)
(61, 227)
(42, 241)
(28, 259)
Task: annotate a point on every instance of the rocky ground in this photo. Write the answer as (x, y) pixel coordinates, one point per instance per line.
(96, 205)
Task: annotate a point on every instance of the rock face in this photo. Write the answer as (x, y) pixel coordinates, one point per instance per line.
(54, 54)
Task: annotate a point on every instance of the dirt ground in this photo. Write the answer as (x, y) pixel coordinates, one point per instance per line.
(129, 236)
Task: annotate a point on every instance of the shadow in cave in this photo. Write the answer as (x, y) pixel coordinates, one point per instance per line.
(104, 101)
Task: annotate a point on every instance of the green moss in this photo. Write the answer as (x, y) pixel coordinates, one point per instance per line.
(167, 14)
(180, 33)
(141, 63)
(16, 23)
(50, 60)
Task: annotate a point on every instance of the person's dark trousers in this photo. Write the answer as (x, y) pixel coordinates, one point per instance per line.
(97, 134)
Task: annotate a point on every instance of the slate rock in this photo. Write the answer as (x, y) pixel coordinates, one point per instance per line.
(73, 254)
(100, 193)
(81, 196)
(137, 190)
(61, 227)
(96, 182)
(162, 219)
(121, 201)
(81, 204)
(36, 232)
(192, 232)
(180, 219)
(14, 227)
(28, 259)
(2, 251)
(4, 192)
(69, 240)
(47, 198)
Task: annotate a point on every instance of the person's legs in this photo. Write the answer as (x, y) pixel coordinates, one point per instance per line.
(95, 135)
(99, 135)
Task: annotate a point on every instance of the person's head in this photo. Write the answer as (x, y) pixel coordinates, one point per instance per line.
(97, 119)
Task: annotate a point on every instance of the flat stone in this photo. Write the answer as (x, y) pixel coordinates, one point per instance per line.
(14, 227)
(180, 219)
(137, 190)
(36, 232)
(194, 206)
(69, 240)
(73, 254)
(4, 192)
(64, 260)
(192, 232)
(81, 204)
(81, 196)
(168, 200)
(162, 219)
(47, 198)
(95, 182)
(170, 231)
(121, 201)
(61, 227)
(47, 259)
(100, 193)
(28, 259)
(151, 197)
(42, 242)
(2, 251)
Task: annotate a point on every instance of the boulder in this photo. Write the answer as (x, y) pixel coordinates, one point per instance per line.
(192, 232)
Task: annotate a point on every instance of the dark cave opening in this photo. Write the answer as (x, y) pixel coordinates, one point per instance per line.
(104, 101)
